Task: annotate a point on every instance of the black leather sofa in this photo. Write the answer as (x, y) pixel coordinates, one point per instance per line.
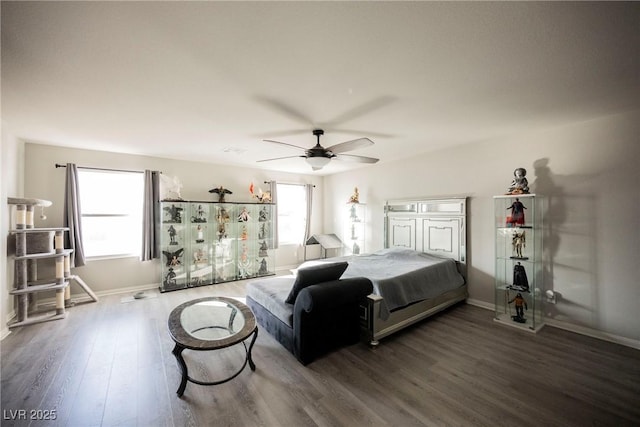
(324, 315)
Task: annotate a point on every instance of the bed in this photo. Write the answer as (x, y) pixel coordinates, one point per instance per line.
(422, 269)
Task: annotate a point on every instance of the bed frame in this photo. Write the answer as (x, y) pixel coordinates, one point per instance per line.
(433, 226)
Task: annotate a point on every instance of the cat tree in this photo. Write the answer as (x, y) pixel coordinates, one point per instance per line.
(33, 245)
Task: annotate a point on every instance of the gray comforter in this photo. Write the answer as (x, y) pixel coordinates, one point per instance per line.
(401, 276)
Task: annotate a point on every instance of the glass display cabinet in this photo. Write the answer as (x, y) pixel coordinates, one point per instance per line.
(174, 244)
(354, 233)
(518, 260)
(204, 243)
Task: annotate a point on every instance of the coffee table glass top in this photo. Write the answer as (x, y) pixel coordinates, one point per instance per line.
(212, 320)
(210, 323)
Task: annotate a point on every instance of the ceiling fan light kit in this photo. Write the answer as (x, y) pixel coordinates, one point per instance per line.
(318, 163)
(318, 156)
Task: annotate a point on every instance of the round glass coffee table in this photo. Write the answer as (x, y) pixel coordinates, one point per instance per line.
(211, 323)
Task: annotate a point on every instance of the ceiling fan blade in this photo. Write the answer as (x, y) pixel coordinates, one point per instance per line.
(361, 110)
(357, 159)
(350, 145)
(359, 132)
(285, 109)
(280, 158)
(287, 132)
(284, 143)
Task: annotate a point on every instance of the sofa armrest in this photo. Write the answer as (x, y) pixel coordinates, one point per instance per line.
(332, 294)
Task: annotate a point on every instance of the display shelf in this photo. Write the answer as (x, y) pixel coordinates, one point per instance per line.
(518, 260)
(354, 232)
(205, 243)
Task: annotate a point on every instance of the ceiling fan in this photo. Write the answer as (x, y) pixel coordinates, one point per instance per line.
(318, 156)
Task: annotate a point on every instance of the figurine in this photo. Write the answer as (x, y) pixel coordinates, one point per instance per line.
(223, 215)
(244, 235)
(244, 215)
(518, 241)
(520, 303)
(172, 235)
(170, 188)
(263, 197)
(262, 233)
(199, 234)
(263, 215)
(244, 263)
(520, 281)
(353, 214)
(517, 213)
(355, 197)
(222, 232)
(263, 249)
(173, 258)
(170, 278)
(175, 213)
(519, 185)
(221, 192)
(199, 257)
(200, 215)
(263, 267)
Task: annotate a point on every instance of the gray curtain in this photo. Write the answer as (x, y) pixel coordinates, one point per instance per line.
(273, 188)
(72, 216)
(307, 229)
(151, 216)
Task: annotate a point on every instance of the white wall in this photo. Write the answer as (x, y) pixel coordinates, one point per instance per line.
(11, 185)
(43, 180)
(590, 173)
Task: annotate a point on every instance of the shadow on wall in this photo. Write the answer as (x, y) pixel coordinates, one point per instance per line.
(569, 244)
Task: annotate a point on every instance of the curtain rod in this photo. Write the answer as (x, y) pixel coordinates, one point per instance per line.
(293, 183)
(58, 165)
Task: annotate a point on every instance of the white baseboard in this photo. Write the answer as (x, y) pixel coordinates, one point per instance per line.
(4, 333)
(582, 330)
(481, 304)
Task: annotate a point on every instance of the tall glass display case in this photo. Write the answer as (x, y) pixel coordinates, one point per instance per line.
(174, 244)
(518, 260)
(354, 233)
(204, 243)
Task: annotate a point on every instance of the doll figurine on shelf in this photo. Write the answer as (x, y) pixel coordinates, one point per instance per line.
(517, 213)
(518, 241)
(355, 197)
(243, 216)
(175, 213)
(520, 281)
(172, 235)
(199, 234)
(221, 192)
(521, 305)
(519, 185)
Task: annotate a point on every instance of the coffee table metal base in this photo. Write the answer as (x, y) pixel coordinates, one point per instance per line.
(177, 352)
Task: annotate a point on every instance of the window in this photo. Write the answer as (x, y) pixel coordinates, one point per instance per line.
(292, 213)
(111, 206)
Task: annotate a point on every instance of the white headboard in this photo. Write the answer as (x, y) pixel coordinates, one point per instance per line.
(433, 226)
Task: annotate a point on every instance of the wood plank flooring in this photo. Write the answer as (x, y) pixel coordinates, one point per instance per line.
(110, 364)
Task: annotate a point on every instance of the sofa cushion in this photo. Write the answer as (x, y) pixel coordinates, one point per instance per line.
(270, 293)
(313, 275)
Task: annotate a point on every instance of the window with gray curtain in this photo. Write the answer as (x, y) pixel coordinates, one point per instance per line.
(72, 216)
(111, 216)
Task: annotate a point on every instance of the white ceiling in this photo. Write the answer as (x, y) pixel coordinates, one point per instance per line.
(208, 81)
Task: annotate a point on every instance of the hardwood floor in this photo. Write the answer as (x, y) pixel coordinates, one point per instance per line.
(110, 363)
